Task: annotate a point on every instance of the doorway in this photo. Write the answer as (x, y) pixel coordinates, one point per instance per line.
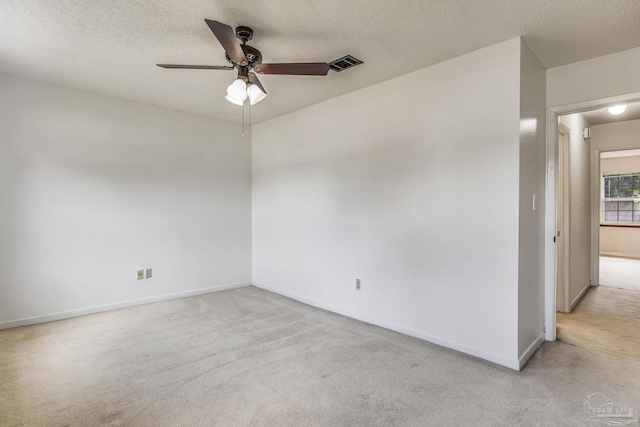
(605, 317)
(619, 227)
(551, 218)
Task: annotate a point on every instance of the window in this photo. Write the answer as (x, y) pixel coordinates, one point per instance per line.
(621, 201)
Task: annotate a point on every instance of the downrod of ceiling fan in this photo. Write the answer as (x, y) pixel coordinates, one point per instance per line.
(243, 73)
(244, 33)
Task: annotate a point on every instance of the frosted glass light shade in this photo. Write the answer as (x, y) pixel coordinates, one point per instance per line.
(237, 92)
(234, 100)
(255, 94)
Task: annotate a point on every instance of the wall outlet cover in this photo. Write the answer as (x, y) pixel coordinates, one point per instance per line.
(148, 274)
(140, 274)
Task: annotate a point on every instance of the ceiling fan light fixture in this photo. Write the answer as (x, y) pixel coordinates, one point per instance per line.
(255, 94)
(248, 61)
(617, 109)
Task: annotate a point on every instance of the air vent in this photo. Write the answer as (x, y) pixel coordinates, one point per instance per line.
(344, 63)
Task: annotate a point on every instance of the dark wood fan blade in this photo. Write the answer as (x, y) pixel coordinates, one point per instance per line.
(227, 38)
(196, 67)
(298, 69)
(254, 79)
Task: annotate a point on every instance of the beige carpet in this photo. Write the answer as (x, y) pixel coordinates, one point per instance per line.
(251, 358)
(607, 319)
(620, 272)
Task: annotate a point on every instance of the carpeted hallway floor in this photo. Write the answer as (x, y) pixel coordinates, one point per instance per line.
(608, 316)
(620, 272)
(606, 319)
(248, 357)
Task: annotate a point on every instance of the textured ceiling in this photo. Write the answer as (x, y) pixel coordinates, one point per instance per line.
(602, 116)
(111, 46)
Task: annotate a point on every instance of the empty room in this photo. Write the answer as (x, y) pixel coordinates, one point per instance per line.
(320, 214)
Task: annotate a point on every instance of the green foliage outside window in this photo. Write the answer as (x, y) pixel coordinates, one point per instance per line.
(621, 202)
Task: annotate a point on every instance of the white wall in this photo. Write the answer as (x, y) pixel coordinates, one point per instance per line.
(618, 241)
(93, 188)
(579, 206)
(531, 222)
(616, 136)
(620, 165)
(412, 186)
(594, 79)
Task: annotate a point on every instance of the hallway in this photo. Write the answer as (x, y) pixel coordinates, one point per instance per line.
(608, 317)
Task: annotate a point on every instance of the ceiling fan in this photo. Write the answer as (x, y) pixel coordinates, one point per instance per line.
(246, 59)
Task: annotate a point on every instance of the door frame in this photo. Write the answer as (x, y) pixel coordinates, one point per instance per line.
(596, 194)
(551, 209)
(563, 241)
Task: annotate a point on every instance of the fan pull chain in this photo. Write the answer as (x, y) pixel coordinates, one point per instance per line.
(243, 120)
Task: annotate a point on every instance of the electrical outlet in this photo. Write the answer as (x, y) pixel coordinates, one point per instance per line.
(357, 283)
(140, 274)
(148, 274)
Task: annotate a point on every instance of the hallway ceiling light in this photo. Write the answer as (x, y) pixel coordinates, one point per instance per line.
(617, 109)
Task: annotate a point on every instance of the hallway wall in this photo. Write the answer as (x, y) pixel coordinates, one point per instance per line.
(580, 207)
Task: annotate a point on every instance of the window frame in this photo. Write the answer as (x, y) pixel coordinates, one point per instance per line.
(634, 199)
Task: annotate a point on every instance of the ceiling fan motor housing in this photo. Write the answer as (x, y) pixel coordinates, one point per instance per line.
(254, 56)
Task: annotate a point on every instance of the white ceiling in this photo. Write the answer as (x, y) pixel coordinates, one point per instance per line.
(602, 116)
(111, 46)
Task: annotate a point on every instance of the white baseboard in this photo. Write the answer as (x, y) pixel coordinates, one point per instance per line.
(511, 364)
(115, 306)
(529, 351)
(620, 255)
(577, 299)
